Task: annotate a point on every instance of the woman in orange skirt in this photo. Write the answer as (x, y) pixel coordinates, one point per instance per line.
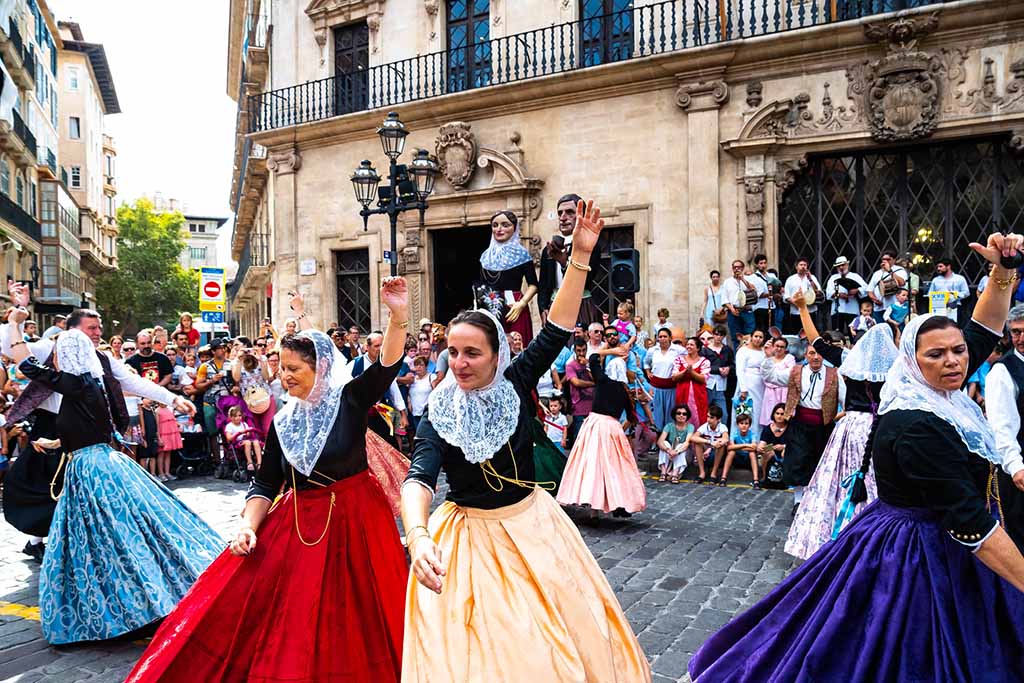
(504, 588)
(602, 473)
(320, 597)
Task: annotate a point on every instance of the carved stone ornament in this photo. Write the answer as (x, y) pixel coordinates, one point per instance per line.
(456, 150)
(431, 6)
(413, 237)
(283, 163)
(754, 91)
(1014, 98)
(754, 202)
(902, 101)
(713, 93)
(786, 173)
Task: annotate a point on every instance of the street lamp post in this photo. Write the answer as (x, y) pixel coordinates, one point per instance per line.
(408, 185)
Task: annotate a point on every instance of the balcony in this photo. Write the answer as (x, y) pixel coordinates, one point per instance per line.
(108, 184)
(16, 216)
(51, 162)
(64, 176)
(635, 33)
(22, 131)
(18, 57)
(17, 141)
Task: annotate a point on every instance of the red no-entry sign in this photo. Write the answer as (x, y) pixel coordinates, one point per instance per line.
(212, 289)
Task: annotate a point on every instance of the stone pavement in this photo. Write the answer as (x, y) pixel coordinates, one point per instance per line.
(683, 568)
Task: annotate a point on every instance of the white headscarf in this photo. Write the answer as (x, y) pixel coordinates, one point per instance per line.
(303, 425)
(479, 421)
(905, 388)
(76, 354)
(505, 255)
(872, 356)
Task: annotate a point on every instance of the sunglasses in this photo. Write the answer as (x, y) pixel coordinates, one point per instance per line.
(127, 348)
(261, 346)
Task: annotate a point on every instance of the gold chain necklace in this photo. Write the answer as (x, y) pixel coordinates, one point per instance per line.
(295, 503)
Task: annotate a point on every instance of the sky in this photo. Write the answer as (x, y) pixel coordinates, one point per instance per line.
(175, 134)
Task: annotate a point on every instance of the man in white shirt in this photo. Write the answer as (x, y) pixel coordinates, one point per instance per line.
(762, 310)
(845, 302)
(741, 319)
(1003, 407)
(800, 281)
(890, 276)
(946, 280)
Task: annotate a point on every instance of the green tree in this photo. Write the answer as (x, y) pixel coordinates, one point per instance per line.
(150, 286)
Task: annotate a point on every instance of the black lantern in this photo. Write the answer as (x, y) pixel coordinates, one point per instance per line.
(365, 181)
(424, 170)
(408, 185)
(392, 136)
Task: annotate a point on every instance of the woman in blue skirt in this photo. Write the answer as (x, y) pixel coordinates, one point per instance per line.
(925, 586)
(123, 549)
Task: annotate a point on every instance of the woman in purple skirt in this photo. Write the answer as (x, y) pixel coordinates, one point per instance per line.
(925, 585)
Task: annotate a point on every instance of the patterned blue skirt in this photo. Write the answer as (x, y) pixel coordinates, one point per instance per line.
(122, 551)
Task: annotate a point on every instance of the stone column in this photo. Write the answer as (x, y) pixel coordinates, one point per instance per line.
(701, 101)
(283, 164)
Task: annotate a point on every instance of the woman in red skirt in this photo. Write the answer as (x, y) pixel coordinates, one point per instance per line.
(504, 265)
(321, 596)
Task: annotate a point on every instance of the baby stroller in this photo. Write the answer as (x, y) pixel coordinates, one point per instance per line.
(233, 464)
(194, 456)
(232, 460)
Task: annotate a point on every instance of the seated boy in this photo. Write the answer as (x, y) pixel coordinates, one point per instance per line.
(742, 442)
(713, 436)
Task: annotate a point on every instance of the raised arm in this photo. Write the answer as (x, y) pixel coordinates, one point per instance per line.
(994, 302)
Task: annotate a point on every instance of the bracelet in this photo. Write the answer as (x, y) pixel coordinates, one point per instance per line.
(300, 316)
(403, 324)
(1000, 282)
(409, 537)
(578, 266)
(18, 343)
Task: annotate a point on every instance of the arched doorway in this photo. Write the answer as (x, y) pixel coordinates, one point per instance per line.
(926, 201)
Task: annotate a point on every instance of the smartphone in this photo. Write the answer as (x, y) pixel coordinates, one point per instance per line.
(559, 242)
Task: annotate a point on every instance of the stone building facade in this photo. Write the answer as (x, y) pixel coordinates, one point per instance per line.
(823, 127)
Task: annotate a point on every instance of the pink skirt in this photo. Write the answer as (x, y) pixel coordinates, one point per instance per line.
(602, 471)
(167, 427)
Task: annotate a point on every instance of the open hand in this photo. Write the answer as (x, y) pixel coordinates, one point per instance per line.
(296, 302)
(514, 312)
(183, 405)
(588, 228)
(798, 299)
(18, 292)
(394, 292)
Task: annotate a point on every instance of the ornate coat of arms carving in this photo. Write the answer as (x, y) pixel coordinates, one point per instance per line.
(456, 150)
(903, 98)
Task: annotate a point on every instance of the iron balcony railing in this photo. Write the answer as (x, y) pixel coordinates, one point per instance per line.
(259, 243)
(51, 161)
(634, 33)
(29, 59)
(19, 218)
(22, 131)
(14, 35)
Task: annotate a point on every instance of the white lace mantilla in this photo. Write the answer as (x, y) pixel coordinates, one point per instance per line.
(479, 421)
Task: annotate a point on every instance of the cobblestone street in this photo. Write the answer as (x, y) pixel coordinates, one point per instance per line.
(697, 556)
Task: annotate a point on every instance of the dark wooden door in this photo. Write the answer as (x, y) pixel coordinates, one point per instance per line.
(351, 67)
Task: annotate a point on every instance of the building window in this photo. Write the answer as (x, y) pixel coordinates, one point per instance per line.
(73, 78)
(19, 185)
(76, 177)
(5, 177)
(607, 31)
(352, 269)
(32, 198)
(197, 253)
(75, 128)
(351, 65)
(199, 228)
(469, 49)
